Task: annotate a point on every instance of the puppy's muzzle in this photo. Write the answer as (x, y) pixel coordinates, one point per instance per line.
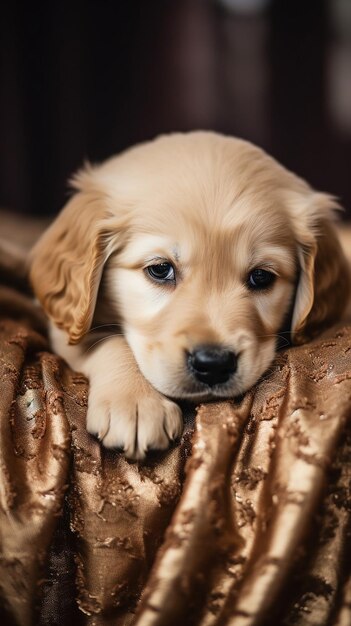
(212, 365)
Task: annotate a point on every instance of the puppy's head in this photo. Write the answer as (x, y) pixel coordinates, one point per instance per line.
(204, 249)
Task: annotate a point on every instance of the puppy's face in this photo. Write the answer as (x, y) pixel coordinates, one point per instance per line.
(205, 247)
(201, 301)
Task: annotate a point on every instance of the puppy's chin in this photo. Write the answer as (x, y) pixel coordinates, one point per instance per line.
(204, 393)
(210, 394)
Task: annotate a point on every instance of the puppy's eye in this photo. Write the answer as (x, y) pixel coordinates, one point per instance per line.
(260, 279)
(162, 272)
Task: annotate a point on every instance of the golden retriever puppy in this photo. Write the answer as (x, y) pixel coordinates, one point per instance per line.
(172, 272)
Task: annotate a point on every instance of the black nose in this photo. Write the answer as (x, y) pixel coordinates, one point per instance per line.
(212, 365)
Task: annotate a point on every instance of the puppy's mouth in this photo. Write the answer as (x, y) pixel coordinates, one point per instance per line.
(195, 391)
(206, 394)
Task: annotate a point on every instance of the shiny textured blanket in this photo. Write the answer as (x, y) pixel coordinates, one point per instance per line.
(245, 522)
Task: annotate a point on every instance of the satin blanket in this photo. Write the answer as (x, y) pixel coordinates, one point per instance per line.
(245, 522)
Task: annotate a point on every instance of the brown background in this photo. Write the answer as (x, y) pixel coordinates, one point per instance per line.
(86, 79)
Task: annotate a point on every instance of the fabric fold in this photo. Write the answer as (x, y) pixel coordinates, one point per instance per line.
(244, 522)
(35, 444)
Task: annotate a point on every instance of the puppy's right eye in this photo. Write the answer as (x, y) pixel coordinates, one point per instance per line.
(161, 272)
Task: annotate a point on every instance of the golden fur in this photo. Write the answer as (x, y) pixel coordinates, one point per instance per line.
(215, 207)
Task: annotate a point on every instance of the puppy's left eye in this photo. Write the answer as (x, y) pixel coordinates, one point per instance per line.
(161, 272)
(260, 279)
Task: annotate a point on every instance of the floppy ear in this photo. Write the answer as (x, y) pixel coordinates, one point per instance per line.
(67, 262)
(324, 284)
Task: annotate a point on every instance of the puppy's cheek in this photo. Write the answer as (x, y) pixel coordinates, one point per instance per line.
(254, 362)
(149, 359)
(161, 374)
(138, 346)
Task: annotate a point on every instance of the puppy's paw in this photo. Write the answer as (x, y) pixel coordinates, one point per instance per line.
(134, 423)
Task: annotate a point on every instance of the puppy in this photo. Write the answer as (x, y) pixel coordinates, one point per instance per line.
(173, 271)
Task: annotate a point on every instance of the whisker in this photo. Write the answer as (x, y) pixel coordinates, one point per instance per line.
(103, 326)
(268, 373)
(283, 342)
(279, 336)
(103, 339)
(287, 332)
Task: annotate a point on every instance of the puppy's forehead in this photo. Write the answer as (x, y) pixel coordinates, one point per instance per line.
(195, 244)
(201, 192)
(144, 248)
(199, 169)
(183, 225)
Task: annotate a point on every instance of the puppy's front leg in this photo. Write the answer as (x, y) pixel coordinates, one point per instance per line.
(124, 410)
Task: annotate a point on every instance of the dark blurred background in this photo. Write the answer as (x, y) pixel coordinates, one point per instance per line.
(83, 80)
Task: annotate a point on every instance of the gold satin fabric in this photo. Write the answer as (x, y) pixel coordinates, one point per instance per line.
(246, 522)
